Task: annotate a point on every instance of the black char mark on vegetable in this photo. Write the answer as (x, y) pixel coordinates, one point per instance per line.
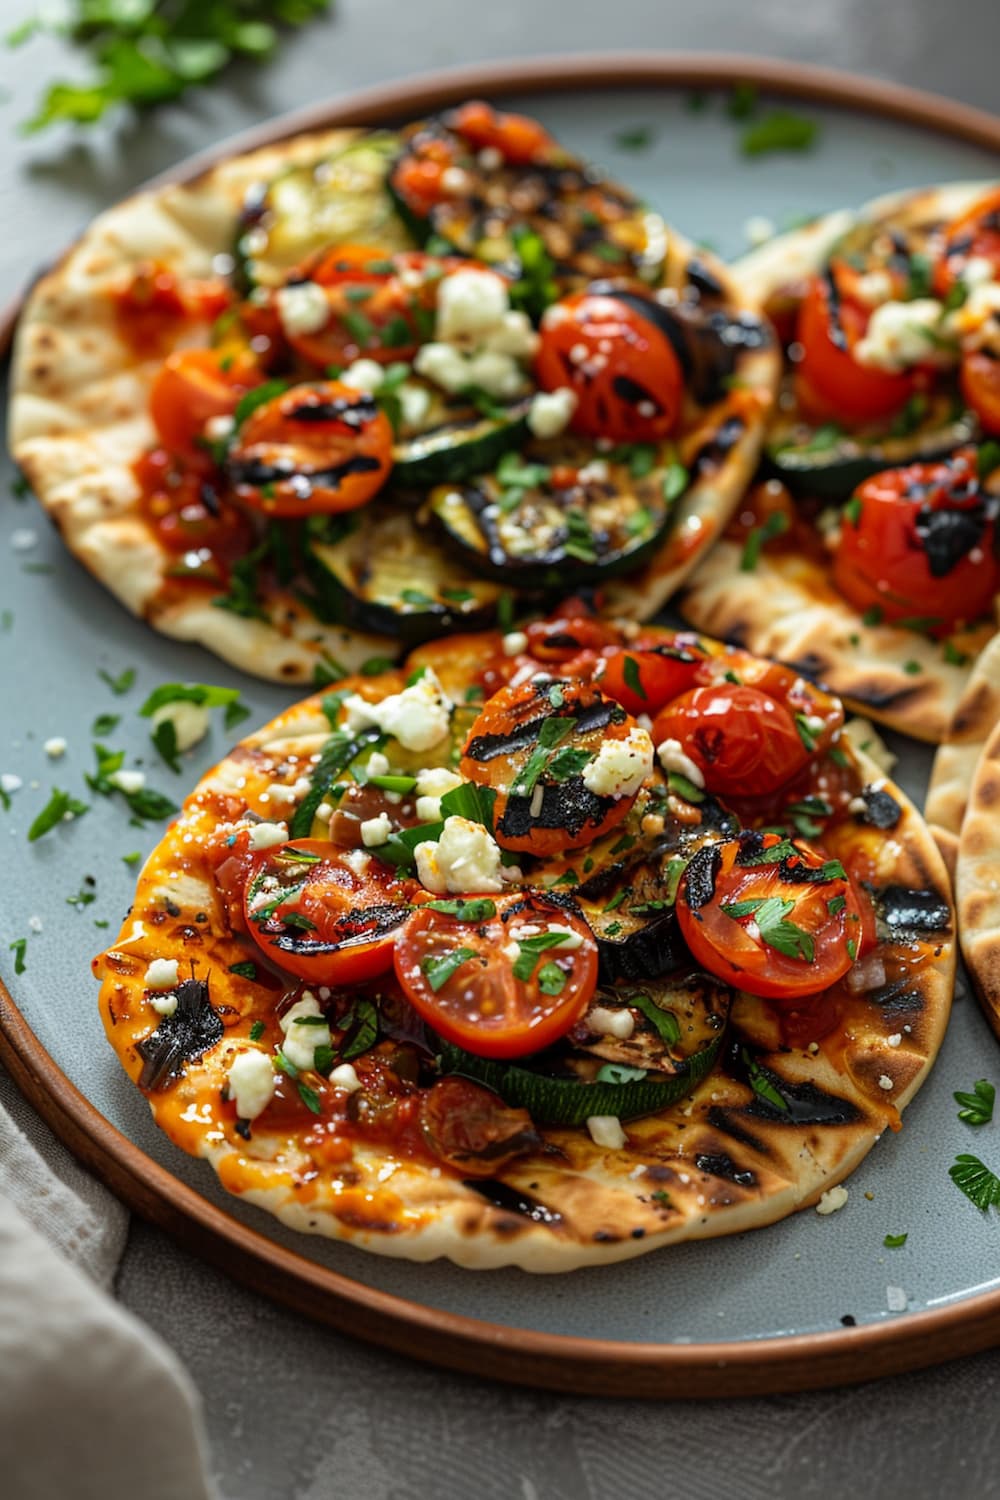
(513, 1201)
(355, 413)
(362, 925)
(257, 474)
(881, 808)
(596, 715)
(702, 870)
(194, 1027)
(949, 535)
(905, 910)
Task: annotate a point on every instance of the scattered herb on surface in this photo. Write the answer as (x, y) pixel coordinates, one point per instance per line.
(19, 947)
(120, 684)
(55, 811)
(894, 1241)
(977, 1107)
(780, 130)
(973, 1178)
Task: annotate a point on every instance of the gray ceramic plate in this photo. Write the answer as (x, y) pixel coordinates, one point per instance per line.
(667, 1312)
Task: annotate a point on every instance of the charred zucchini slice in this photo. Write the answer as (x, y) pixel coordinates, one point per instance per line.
(376, 571)
(830, 464)
(454, 441)
(564, 515)
(340, 199)
(678, 1026)
(630, 910)
(553, 212)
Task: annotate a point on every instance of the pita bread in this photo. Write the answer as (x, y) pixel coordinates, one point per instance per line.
(79, 420)
(977, 880)
(725, 1159)
(787, 606)
(974, 721)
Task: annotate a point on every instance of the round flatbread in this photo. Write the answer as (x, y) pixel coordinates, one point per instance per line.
(977, 879)
(80, 421)
(958, 756)
(779, 599)
(795, 1096)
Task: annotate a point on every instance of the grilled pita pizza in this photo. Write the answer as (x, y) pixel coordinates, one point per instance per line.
(870, 558)
(544, 950)
(957, 758)
(977, 879)
(350, 391)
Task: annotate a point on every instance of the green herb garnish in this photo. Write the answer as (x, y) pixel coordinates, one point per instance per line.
(438, 968)
(770, 914)
(977, 1107)
(55, 810)
(779, 130)
(973, 1178)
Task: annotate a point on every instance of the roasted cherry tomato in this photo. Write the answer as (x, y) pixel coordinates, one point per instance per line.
(770, 915)
(510, 978)
(980, 382)
(191, 387)
(830, 384)
(472, 1130)
(149, 308)
(643, 679)
(919, 543)
(537, 746)
(974, 235)
(311, 912)
(518, 138)
(317, 448)
(743, 741)
(204, 532)
(380, 306)
(609, 348)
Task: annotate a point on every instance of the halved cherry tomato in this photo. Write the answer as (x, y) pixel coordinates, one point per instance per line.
(512, 981)
(531, 745)
(830, 384)
(642, 680)
(609, 348)
(191, 387)
(518, 138)
(155, 299)
(918, 542)
(769, 915)
(742, 740)
(471, 1129)
(980, 382)
(321, 447)
(191, 519)
(311, 912)
(974, 234)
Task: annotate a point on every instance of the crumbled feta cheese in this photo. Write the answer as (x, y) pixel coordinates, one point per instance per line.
(895, 1299)
(550, 412)
(833, 1199)
(162, 974)
(673, 758)
(466, 859)
(620, 766)
(895, 1039)
(164, 1004)
(55, 747)
(596, 472)
(303, 308)
(418, 717)
(885, 1082)
(378, 764)
(490, 158)
(571, 939)
(758, 230)
(431, 786)
(901, 334)
(514, 642)
(217, 429)
(344, 1077)
(470, 303)
(375, 831)
(454, 180)
(35, 923)
(479, 340)
(874, 288)
(978, 269)
(604, 1022)
(301, 1040)
(414, 403)
(128, 781)
(606, 1130)
(23, 539)
(364, 375)
(190, 721)
(268, 835)
(10, 783)
(356, 860)
(251, 1083)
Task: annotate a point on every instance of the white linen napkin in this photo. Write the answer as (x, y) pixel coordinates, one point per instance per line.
(93, 1406)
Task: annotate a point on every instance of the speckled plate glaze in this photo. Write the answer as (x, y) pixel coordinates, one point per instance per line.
(811, 1301)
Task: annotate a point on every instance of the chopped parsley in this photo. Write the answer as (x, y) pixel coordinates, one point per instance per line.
(779, 130)
(770, 913)
(19, 947)
(675, 480)
(894, 1241)
(633, 679)
(257, 1031)
(310, 1098)
(973, 1178)
(775, 524)
(59, 805)
(104, 725)
(551, 979)
(478, 910)
(131, 859)
(638, 138)
(246, 970)
(552, 732)
(531, 950)
(119, 685)
(439, 968)
(977, 1107)
(761, 1083)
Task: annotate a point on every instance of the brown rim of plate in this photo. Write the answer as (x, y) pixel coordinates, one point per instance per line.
(518, 1355)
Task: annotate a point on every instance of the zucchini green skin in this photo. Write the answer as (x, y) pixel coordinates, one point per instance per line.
(382, 575)
(568, 1101)
(834, 472)
(457, 450)
(534, 537)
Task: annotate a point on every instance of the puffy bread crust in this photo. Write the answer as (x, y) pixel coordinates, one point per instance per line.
(717, 1163)
(977, 880)
(976, 716)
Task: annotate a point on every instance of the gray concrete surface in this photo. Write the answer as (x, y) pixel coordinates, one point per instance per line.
(293, 1410)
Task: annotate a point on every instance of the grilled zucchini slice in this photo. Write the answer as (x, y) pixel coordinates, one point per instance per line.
(563, 516)
(376, 570)
(340, 199)
(454, 441)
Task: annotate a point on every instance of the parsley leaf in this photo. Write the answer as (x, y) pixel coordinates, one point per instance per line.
(894, 1241)
(59, 804)
(973, 1178)
(770, 914)
(774, 525)
(977, 1107)
(463, 910)
(760, 1081)
(438, 968)
(779, 130)
(120, 684)
(531, 950)
(19, 947)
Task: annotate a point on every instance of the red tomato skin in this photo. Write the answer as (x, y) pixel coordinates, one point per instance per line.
(519, 139)
(192, 386)
(973, 234)
(622, 368)
(881, 560)
(661, 677)
(979, 379)
(830, 384)
(743, 741)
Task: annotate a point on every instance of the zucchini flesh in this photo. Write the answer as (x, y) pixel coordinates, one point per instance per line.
(340, 199)
(455, 441)
(588, 225)
(375, 570)
(563, 1086)
(542, 535)
(831, 464)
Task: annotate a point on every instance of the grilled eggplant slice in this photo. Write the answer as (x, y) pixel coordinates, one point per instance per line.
(510, 212)
(374, 569)
(629, 908)
(678, 1027)
(340, 199)
(563, 516)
